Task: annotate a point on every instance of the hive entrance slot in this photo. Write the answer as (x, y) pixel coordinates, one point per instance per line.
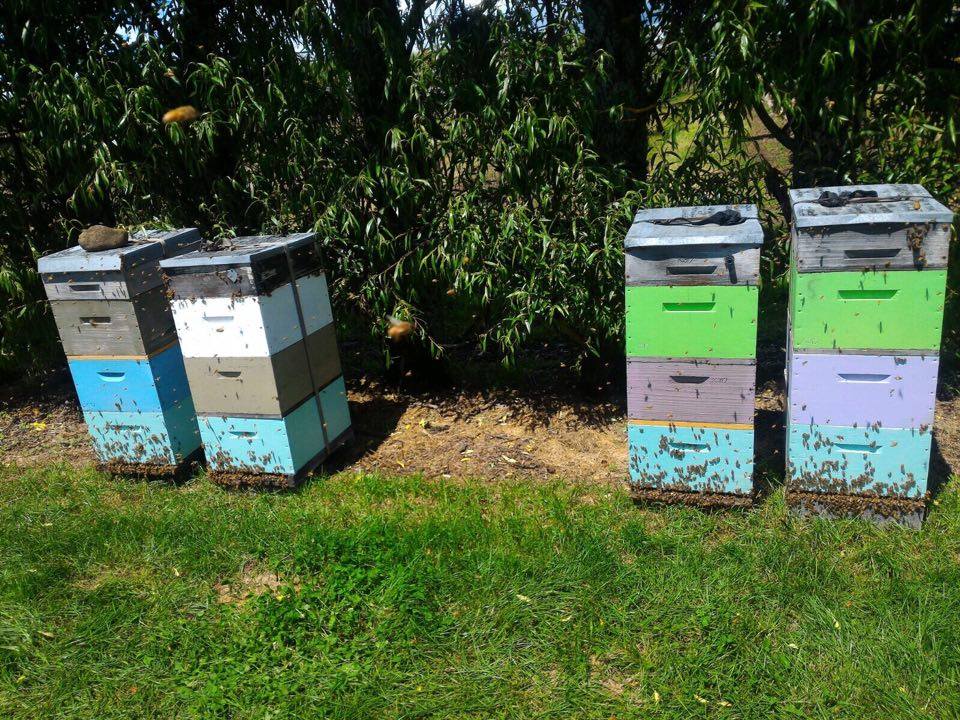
(691, 269)
(96, 320)
(243, 433)
(690, 379)
(689, 306)
(228, 373)
(84, 287)
(866, 294)
(872, 254)
(689, 447)
(863, 377)
(858, 449)
(111, 376)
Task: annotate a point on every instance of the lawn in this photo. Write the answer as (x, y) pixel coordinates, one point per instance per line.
(370, 597)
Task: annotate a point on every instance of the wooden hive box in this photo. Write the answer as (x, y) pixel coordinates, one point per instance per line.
(118, 334)
(867, 291)
(691, 325)
(261, 357)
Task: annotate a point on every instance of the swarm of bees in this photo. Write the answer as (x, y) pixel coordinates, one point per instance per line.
(399, 329)
(182, 114)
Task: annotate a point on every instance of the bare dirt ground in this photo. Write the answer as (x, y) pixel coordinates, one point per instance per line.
(491, 435)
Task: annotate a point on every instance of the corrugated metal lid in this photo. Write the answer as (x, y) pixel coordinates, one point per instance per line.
(240, 251)
(900, 203)
(646, 233)
(144, 246)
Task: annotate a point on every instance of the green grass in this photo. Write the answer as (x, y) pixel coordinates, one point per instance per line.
(412, 598)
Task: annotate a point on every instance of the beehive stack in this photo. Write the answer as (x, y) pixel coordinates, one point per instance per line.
(121, 345)
(691, 327)
(868, 277)
(261, 355)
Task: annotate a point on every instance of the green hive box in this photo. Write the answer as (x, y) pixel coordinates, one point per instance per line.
(703, 321)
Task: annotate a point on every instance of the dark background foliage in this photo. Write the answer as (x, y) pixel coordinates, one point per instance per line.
(472, 168)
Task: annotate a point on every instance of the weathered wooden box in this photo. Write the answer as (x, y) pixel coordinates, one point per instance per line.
(259, 343)
(120, 340)
(691, 327)
(712, 391)
(867, 292)
(902, 228)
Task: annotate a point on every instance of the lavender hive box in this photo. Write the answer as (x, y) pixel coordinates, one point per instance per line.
(859, 390)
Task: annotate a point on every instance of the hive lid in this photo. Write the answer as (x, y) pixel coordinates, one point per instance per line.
(901, 203)
(144, 246)
(241, 252)
(646, 232)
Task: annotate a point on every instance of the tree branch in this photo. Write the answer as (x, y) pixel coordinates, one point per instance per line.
(779, 133)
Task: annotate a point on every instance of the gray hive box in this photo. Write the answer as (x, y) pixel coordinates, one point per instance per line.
(112, 302)
(661, 254)
(902, 228)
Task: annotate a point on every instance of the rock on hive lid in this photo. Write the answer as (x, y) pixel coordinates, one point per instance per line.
(143, 247)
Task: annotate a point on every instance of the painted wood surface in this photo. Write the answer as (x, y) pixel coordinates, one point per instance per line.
(880, 246)
(145, 248)
(263, 445)
(314, 302)
(895, 310)
(693, 265)
(860, 390)
(131, 385)
(692, 321)
(237, 327)
(267, 386)
(335, 409)
(115, 327)
(713, 391)
(226, 280)
(323, 355)
(150, 438)
(905, 203)
(112, 285)
(700, 459)
(864, 460)
(644, 233)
